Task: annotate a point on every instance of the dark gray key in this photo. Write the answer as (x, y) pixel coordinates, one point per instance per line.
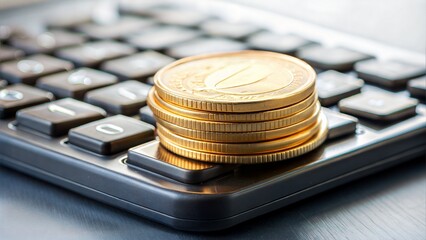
(124, 98)
(150, 81)
(333, 86)
(339, 124)
(335, 58)
(177, 16)
(203, 46)
(111, 135)
(379, 106)
(18, 96)
(29, 69)
(94, 53)
(147, 115)
(9, 53)
(68, 21)
(76, 83)
(47, 42)
(138, 66)
(162, 37)
(221, 28)
(283, 43)
(122, 27)
(57, 117)
(3, 83)
(392, 74)
(154, 157)
(417, 87)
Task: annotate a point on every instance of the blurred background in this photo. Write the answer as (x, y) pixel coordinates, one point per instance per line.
(401, 23)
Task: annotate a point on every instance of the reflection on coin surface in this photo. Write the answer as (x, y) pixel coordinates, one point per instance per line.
(246, 81)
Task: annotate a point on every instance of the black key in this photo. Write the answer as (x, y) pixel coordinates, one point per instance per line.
(335, 58)
(94, 53)
(203, 46)
(47, 42)
(57, 117)
(138, 66)
(221, 28)
(29, 69)
(18, 96)
(392, 74)
(154, 157)
(177, 16)
(333, 86)
(76, 83)
(283, 43)
(111, 135)
(147, 115)
(339, 124)
(163, 37)
(379, 106)
(9, 53)
(417, 87)
(118, 29)
(124, 98)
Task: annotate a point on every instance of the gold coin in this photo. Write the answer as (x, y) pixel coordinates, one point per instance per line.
(239, 117)
(239, 148)
(229, 137)
(245, 81)
(163, 113)
(310, 145)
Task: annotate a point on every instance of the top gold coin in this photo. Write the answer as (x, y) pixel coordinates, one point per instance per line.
(246, 81)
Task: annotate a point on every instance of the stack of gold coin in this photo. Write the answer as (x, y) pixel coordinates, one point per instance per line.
(240, 107)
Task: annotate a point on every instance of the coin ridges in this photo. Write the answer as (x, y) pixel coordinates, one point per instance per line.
(308, 146)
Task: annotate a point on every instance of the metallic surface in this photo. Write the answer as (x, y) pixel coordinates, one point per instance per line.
(311, 144)
(162, 113)
(265, 80)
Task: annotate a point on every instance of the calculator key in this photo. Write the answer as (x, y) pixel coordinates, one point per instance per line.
(117, 29)
(177, 16)
(147, 115)
(335, 58)
(29, 69)
(47, 42)
(162, 37)
(94, 53)
(417, 87)
(9, 53)
(379, 106)
(392, 74)
(221, 28)
(333, 86)
(18, 96)
(76, 83)
(137, 66)
(69, 21)
(203, 46)
(339, 124)
(123, 98)
(57, 117)
(111, 135)
(3, 83)
(150, 81)
(283, 43)
(154, 157)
